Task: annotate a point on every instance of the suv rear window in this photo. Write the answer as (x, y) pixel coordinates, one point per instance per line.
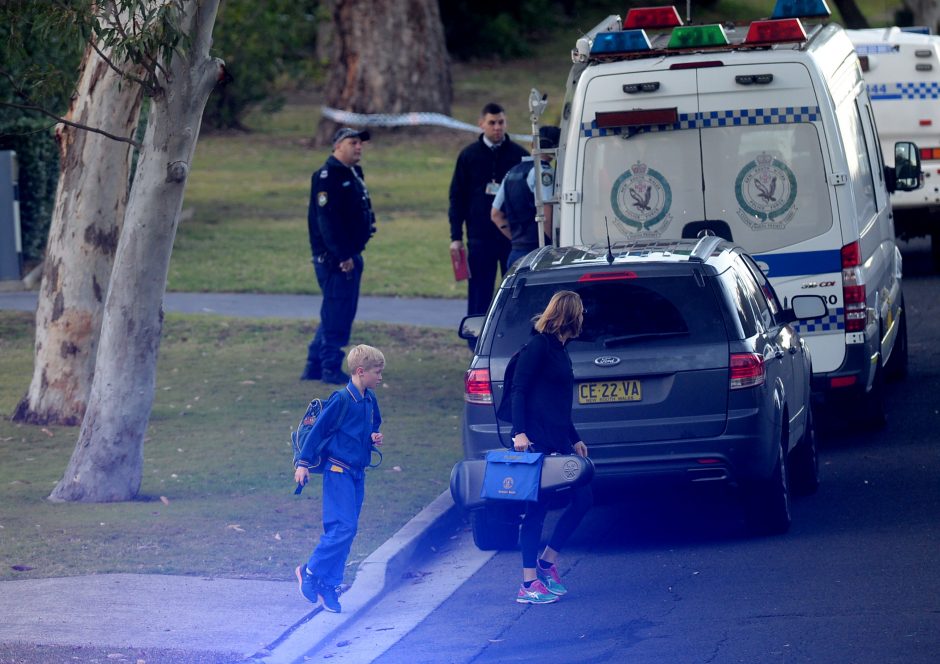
(666, 311)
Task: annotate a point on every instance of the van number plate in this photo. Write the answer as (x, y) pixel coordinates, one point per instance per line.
(611, 391)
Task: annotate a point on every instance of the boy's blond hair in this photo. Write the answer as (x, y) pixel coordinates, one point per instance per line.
(367, 357)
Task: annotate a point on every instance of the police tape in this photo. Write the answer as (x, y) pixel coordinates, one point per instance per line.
(413, 119)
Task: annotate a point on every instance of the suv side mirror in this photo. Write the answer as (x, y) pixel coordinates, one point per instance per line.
(906, 174)
(471, 327)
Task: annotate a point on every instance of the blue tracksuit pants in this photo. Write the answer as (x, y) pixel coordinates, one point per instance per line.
(343, 493)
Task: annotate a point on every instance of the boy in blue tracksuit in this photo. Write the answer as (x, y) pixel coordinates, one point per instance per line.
(346, 455)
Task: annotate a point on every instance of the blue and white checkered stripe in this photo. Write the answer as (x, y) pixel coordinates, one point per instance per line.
(905, 90)
(831, 323)
(734, 118)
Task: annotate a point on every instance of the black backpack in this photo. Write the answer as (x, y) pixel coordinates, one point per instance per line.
(504, 410)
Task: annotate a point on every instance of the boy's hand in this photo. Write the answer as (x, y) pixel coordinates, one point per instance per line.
(301, 475)
(377, 439)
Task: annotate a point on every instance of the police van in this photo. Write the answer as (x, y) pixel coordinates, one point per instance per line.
(763, 135)
(902, 70)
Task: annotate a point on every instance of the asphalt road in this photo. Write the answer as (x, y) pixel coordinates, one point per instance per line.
(676, 579)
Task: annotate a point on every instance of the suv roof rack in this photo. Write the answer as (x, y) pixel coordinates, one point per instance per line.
(704, 248)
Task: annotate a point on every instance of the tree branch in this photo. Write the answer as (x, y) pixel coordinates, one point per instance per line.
(94, 130)
(146, 85)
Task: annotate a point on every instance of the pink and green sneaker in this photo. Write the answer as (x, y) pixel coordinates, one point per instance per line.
(536, 593)
(550, 577)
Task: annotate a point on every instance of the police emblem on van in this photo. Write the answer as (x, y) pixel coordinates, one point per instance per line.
(607, 361)
(766, 190)
(641, 198)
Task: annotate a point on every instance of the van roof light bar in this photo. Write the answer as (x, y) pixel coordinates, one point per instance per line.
(801, 9)
(697, 36)
(652, 18)
(625, 41)
(775, 31)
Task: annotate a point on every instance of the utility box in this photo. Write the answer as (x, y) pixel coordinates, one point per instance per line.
(11, 240)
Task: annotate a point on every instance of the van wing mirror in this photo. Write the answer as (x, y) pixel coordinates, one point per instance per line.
(471, 327)
(806, 307)
(908, 175)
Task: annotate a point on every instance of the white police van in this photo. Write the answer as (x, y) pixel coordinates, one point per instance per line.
(763, 135)
(902, 70)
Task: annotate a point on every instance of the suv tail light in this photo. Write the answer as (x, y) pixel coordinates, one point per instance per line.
(747, 370)
(477, 387)
(853, 289)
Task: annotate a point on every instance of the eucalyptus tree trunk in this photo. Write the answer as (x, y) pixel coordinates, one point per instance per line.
(386, 56)
(83, 236)
(107, 462)
(925, 12)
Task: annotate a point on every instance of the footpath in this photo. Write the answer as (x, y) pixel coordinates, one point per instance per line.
(198, 620)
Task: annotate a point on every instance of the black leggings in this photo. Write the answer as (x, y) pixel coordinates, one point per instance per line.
(531, 534)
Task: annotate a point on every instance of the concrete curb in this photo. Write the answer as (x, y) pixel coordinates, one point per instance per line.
(377, 574)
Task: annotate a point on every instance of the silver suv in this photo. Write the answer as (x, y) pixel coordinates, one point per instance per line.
(688, 369)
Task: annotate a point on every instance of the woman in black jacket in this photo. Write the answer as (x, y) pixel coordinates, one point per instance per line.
(542, 389)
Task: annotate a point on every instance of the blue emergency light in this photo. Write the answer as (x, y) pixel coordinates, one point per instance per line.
(801, 9)
(624, 41)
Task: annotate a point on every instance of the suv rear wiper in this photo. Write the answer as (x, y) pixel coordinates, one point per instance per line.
(642, 336)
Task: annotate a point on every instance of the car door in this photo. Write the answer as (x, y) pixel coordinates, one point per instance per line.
(778, 343)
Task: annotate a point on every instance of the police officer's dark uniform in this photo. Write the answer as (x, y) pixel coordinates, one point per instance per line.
(518, 202)
(480, 168)
(340, 222)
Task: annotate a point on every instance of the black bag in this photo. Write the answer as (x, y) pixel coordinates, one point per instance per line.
(504, 411)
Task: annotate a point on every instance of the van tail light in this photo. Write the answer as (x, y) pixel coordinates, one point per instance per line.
(853, 289)
(747, 370)
(477, 387)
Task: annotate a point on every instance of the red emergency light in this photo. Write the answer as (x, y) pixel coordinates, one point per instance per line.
(775, 31)
(652, 18)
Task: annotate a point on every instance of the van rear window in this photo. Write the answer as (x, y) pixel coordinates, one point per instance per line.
(764, 185)
(660, 311)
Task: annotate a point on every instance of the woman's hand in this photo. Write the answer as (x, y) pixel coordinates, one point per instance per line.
(301, 475)
(580, 448)
(521, 442)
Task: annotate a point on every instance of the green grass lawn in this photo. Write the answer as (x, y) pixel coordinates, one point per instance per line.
(217, 450)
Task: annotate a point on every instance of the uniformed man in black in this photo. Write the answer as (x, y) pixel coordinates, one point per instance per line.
(480, 168)
(340, 222)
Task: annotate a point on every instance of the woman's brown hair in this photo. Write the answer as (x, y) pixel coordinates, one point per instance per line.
(563, 315)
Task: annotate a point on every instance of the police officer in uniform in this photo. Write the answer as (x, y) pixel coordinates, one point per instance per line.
(340, 222)
(479, 170)
(514, 206)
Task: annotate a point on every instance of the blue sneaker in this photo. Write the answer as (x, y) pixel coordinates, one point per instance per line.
(307, 583)
(551, 578)
(328, 597)
(537, 593)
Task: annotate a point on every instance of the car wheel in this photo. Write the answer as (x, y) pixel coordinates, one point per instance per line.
(768, 503)
(494, 528)
(896, 367)
(804, 461)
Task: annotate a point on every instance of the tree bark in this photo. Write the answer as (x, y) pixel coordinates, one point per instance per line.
(83, 236)
(107, 462)
(852, 16)
(386, 56)
(925, 12)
